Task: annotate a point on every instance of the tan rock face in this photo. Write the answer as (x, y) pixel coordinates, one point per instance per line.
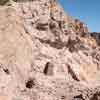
(42, 57)
(5, 98)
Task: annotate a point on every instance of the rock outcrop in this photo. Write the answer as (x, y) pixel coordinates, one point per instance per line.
(46, 54)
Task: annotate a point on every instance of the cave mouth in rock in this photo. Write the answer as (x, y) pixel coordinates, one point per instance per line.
(30, 83)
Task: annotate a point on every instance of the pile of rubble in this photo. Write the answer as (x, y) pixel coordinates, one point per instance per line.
(46, 54)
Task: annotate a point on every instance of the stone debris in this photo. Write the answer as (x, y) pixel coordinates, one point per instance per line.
(46, 54)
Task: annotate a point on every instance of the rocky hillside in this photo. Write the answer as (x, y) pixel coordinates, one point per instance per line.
(46, 54)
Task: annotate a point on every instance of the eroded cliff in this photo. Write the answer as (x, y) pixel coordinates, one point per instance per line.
(45, 54)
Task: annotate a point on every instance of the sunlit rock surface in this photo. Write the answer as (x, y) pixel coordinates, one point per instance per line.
(45, 54)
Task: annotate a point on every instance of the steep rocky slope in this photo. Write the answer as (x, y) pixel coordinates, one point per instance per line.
(45, 54)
